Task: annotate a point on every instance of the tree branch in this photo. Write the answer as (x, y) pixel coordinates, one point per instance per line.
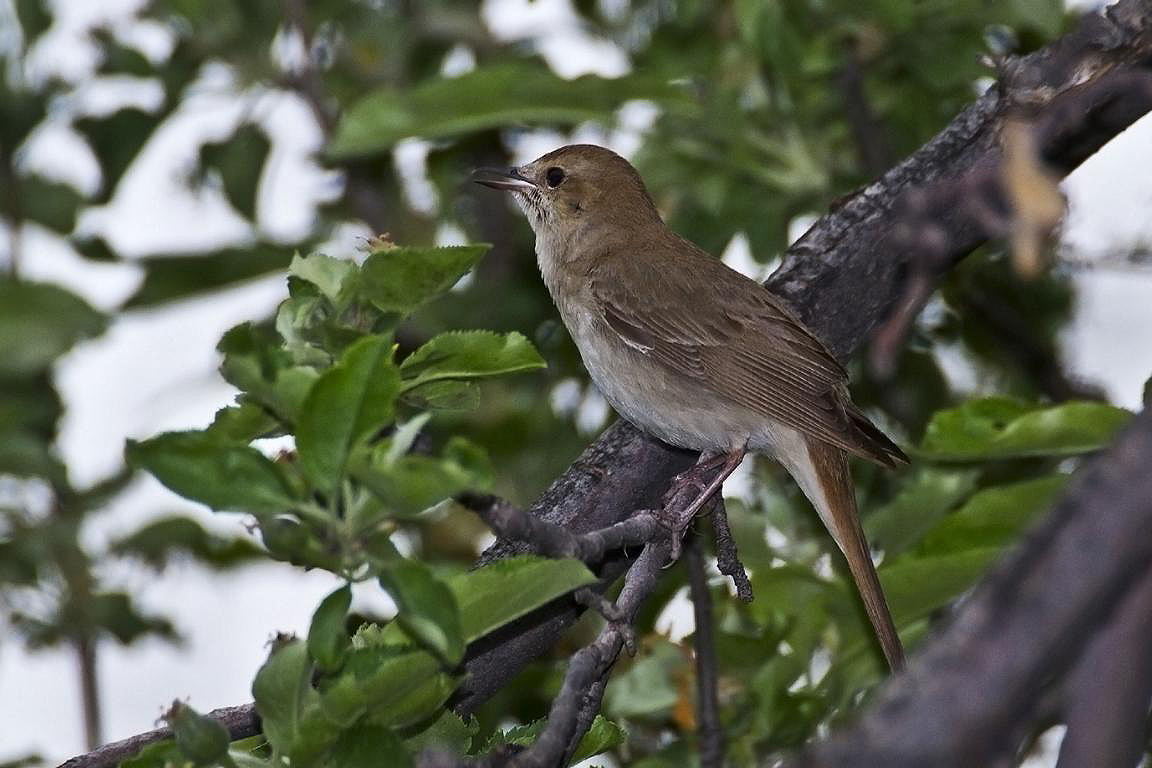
(241, 722)
(710, 734)
(843, 278)
(962, 698)
(1107, 694)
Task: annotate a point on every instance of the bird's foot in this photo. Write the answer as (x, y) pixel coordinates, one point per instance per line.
(691, 490)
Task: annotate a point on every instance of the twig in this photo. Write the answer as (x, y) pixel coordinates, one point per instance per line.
(515, 524)
(241, 722)
(727, 558)
(588, 711)
(590, 665)
(710, 734)
(1106, 696)
(85, 648)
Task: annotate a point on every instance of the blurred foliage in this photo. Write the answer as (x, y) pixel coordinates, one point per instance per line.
(763, 112)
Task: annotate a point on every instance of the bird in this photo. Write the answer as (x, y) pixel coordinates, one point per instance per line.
(695, 353)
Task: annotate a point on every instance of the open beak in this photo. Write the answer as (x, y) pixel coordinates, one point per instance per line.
(502, 178)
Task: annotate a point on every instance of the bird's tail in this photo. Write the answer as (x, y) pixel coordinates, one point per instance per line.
(826, 481)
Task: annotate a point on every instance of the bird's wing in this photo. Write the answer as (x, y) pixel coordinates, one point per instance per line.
(730, 335)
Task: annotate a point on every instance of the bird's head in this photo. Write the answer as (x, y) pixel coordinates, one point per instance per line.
(575, 190)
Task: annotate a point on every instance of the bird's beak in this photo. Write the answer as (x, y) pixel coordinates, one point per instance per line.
(502, 178)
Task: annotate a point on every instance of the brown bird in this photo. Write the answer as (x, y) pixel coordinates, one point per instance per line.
(695, 353)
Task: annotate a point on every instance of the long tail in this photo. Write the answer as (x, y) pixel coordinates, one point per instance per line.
(827, 482)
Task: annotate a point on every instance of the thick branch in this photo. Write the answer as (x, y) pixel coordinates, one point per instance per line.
(961, 699)
(1108, 694)
(843, 278)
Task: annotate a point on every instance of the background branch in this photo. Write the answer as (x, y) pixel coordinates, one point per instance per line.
(1106, 696)
(708, 728)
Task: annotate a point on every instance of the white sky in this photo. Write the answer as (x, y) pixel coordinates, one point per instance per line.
(155, 370)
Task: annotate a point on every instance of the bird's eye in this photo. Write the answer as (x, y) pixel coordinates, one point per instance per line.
(554, 176)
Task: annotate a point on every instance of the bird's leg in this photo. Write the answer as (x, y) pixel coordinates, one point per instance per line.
(692, 489)
(695, 478)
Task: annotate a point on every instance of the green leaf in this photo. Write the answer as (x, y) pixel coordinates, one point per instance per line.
(399, 279)
(335, 278)
(347, 404)
(117, 614)
(328, 641)
(489, 97)
(923, 499)
(917, 586)
(994, 516)
(51, 203)
(999, 428)
(393, 686)
(158, 541)
(171, 277)
(162, 754)
(443, 395)
(496, 594)
(282, 691)
(116, 140)
(601, 737)
(648, 686)
(39, 322)
(469, 355)
(239, 160)
(225, 477)
(518, 735)
(255, 363)
(202, 740)
(409, 484)
(35, 17)
(448, 732)
(427, 608)
(242, 424)
(368, 746)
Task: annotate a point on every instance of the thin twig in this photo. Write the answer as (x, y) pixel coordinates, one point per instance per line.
(588, 711)
(512, 523)
(241, 722)
(710, 734)
(727, 558)
(574, 707)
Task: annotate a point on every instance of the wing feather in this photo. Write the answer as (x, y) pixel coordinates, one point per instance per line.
(732, 336)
